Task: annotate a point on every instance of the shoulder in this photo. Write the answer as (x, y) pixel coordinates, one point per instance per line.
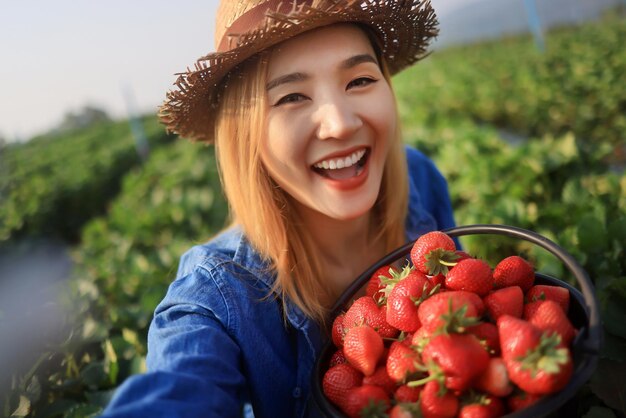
(420, 166)
(215, 275)
(230, 247)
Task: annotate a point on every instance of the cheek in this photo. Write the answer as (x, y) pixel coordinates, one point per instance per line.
(383, 117)
(281, 148)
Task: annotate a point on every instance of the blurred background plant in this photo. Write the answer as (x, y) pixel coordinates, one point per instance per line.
(527, 136)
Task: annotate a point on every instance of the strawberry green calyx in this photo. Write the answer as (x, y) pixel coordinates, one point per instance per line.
(374, 409)
(456, 321)
(547, 356)
(425, 294)
(434, 373)
(390, 283)
(439, 261)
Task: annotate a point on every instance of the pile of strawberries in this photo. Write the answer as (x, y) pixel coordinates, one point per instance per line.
(450, 337)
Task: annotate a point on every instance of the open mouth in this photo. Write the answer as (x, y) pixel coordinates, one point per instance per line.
(343, 168)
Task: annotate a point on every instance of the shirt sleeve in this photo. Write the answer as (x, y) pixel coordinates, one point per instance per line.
(193, 363)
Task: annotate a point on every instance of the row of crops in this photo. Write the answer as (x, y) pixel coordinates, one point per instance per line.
(54, 183)
(566, 181)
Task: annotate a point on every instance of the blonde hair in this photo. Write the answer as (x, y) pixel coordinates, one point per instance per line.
(264, 210)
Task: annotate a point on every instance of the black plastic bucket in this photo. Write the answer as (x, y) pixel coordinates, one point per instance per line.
(583, 312)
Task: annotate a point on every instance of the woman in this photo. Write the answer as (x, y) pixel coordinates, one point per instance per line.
(299, 104)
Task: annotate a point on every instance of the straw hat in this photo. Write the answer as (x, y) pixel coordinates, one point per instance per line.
(245, 27)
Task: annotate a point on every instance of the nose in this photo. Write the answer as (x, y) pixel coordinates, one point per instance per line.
(337, 119)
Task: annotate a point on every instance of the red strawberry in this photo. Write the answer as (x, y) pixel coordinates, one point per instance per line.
(521, 400)
(514, 271)
(549, 374)
(404, 299)
(364, 400)
(403, 362)
(530, 309)
(546, 292)
(436, 402)
(534, 360)
(338, 330)
(420, 338)
(430, 250)
(451, 311)
(381, 378)
(505, 301)
(482, 406)
(517, 337)
(375, 285)
(364, 310)
(362, 347)
(472, 275)
(460, 357)
(550, 317)
(405, 410)
(338, 380)
(337, 358)
(406, 393)
(495, 379)
(487, 334)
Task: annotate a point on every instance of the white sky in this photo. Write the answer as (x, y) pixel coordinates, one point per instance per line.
(57, 56)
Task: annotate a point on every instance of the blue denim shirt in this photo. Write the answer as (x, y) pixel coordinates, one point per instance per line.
(218, 347)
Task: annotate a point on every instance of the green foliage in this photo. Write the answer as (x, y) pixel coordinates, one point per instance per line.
(576, 86)
(126, 261)
(54, 184)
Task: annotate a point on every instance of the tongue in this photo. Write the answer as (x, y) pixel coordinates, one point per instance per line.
(342, 173)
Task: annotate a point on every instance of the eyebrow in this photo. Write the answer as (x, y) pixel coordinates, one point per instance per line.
(298, 76)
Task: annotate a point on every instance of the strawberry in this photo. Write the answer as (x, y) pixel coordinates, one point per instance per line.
(505, 301)
(420, 338)
(405, 410)
(535, 361)
(403, 362)
(338, 380)
(381, 378)
(546, 370)
(449, 311)
(364, 310)
(546, 292)
(482, 406)
(487, 334)
(514, 271)
(530, 309)
(338, 331)
(517, 337)
(550, 317)
(436, 401)
(375, 285)
(433, 252)
(362, 347)
(494, 380)
(460, 357)
(404, 299)
(406, 393)
(366, 400)
(472, 275)
(337, 358)
(521, 400)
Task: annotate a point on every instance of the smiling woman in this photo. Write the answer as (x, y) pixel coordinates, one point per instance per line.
(298, 102)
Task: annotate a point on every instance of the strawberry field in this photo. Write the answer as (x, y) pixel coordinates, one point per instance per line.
(563, 177)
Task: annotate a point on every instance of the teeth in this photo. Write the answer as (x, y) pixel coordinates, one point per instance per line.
(341, 162)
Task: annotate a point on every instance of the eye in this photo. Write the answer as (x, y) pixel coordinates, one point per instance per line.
(361, 82)
(290, 98)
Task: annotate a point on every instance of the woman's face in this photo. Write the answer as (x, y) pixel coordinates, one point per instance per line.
(330, 121)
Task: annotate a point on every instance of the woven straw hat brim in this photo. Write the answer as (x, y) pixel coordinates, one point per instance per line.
(404, 28)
